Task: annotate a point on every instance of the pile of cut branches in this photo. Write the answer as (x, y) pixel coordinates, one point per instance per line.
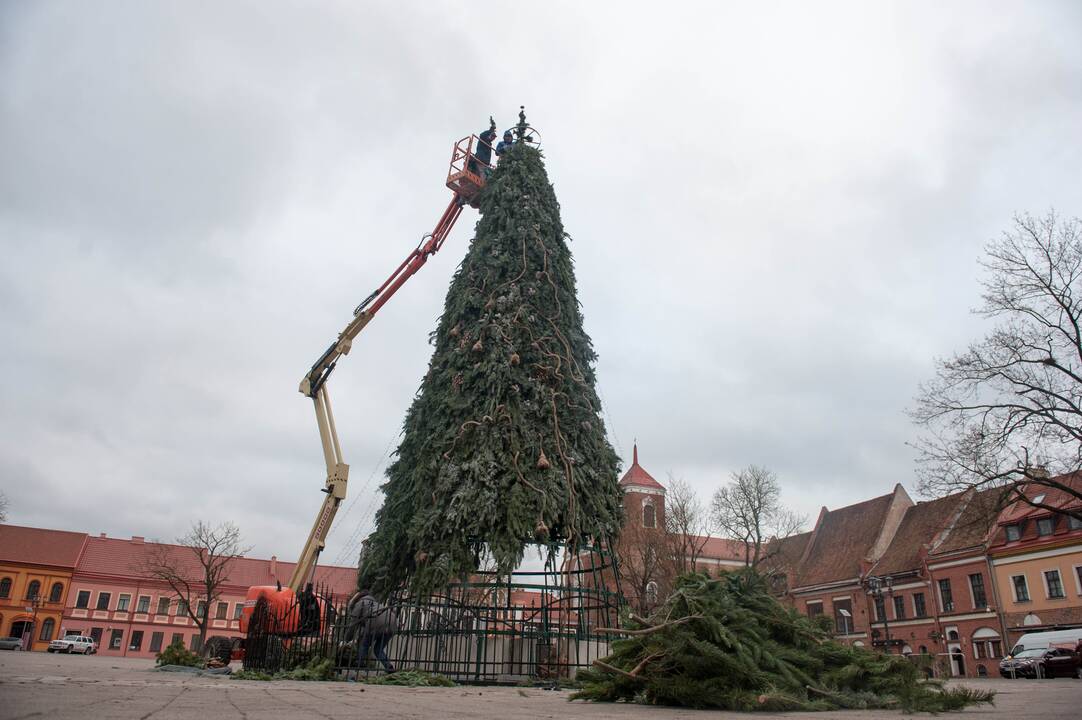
(727, 643)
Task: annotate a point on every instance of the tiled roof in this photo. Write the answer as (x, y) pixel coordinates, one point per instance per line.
(974, 525)
(125, 558)
(919, 528)
(784, 555)
(842, 539)
(1053, 496)
(638, 477)
(719, 548)
(38, 546)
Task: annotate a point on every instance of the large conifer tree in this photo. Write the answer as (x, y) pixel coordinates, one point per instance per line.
(504, 444)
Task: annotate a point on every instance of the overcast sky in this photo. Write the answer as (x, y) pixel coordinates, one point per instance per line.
(776, 211)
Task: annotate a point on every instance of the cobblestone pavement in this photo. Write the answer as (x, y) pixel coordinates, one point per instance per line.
(39, 685)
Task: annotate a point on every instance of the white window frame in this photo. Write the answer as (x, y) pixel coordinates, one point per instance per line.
(807, 612)
(939, 596)
(89, 599)
(157, 603)
(1052, 521)
(108, 605)
(120, 597)
(1047, 589)
(1014, 590)
(1077, 574)
(972, 597)
(916, 614)
(149, 598)
(894, 607)
(238, 610)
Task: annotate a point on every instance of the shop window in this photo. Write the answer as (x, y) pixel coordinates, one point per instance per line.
(95, 634)
(103, 600)
(116, 637)
(156, 642)
(33, 590)
(47, 629)
(178, 639)
(5, 587)
(56, 592)
(82, 600)
(136, 641)
(197, 643)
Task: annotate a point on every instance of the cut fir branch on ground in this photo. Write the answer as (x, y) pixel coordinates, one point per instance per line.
(726, 643)
(504, 445)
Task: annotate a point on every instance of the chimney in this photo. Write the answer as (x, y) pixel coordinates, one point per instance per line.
(137, 539)
(274, 566)
(102, 536)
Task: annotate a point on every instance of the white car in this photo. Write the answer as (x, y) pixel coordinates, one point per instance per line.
(74, 643)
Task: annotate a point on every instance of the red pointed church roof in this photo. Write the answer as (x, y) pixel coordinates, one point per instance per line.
(638, 477)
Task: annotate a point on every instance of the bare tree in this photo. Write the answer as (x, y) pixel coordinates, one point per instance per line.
(3, 507)
(197, 569)
(1007, 412)
(749, 509)
(646, 565)
(687, 523)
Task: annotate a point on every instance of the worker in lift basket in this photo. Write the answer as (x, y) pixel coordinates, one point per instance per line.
(505, 144)
(483, 153)
(375, 623)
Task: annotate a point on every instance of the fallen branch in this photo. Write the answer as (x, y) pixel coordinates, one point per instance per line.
(655, 628)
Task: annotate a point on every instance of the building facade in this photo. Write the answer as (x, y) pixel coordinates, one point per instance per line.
(1036, 557)
(130, 615)
(35, 573)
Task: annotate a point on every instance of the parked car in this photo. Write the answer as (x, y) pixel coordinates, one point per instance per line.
(10, 643)
(74, 643)
(1045, 639)
(1042, 662)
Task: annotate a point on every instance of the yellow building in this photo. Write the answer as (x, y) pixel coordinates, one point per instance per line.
(35, 573)
(1036, 557)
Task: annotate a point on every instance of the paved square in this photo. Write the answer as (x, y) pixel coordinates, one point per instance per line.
(38, 685)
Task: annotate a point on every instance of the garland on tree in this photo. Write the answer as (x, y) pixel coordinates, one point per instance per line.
(504, 444)
(726, 643)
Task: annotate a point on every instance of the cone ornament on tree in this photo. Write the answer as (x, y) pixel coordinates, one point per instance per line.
(504, 445)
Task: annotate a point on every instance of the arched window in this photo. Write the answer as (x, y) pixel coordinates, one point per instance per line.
(952, 634)
(33, 589)
(5, 588)
(906, 650)
(651, 593)
(56, 591)
(923, 649)
(47, 628)
(982, 671)
(649, 516)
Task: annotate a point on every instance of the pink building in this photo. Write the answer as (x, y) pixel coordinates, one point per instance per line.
(112, 601)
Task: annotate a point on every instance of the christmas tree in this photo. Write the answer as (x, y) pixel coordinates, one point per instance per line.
(726, 643)
(504, 444)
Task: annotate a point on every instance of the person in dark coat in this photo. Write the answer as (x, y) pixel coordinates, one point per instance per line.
(483, 151)
(505, 144)
(375, 624)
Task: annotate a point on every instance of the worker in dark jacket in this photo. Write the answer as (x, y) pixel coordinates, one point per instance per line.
(505, 144)
(375, 623)
(482, 154)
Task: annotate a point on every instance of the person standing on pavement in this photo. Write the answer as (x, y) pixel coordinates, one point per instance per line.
(375, 624)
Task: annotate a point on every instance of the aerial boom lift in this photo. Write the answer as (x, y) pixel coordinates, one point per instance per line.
(290, 606)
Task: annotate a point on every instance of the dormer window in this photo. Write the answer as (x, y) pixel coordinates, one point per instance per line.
(1045, 526)
(1014, 532)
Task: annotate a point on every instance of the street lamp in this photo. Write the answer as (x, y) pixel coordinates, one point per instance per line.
(32, 608)
(846, 615)
(877, 586)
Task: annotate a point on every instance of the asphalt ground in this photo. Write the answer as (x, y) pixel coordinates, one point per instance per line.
(39, 685)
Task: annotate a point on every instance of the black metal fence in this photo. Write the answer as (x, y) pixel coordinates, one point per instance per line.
(534, 626)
